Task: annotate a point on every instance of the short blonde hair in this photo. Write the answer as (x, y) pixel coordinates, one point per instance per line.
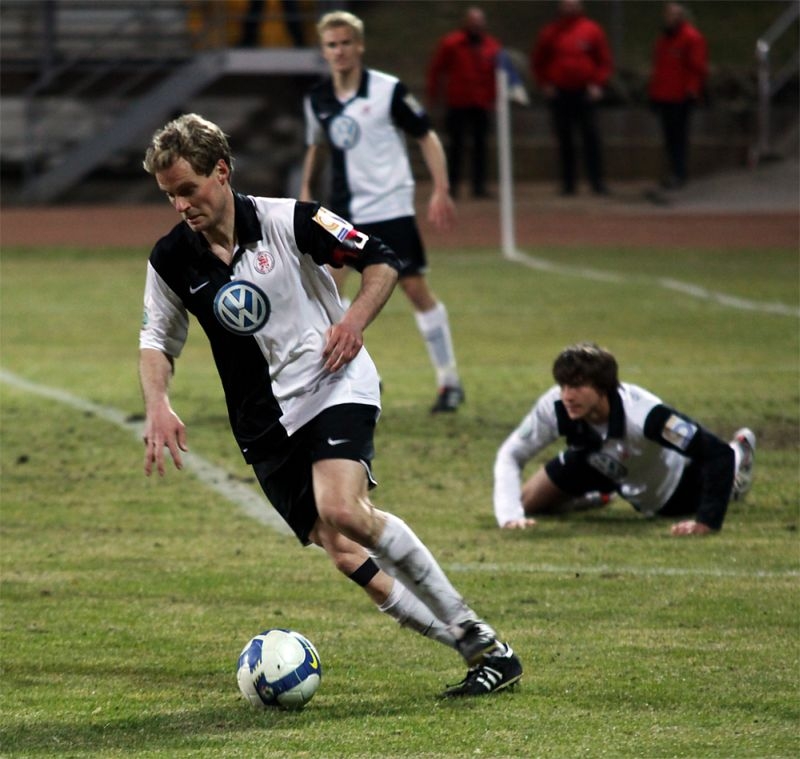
(200, 141)
(341, 18)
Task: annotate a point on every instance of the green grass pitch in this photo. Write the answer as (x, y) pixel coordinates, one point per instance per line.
(125, 601)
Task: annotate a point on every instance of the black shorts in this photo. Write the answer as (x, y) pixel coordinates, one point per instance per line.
(402, 236)
(570, 472)
(339, 432)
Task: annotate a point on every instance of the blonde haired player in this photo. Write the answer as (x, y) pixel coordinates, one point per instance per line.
(362, 116)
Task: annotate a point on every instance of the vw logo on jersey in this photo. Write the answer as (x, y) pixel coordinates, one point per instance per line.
(241, 307)
(344, 132)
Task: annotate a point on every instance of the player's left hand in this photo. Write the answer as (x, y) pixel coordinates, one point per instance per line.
(441, 210)
(341, 346)
(690, 527)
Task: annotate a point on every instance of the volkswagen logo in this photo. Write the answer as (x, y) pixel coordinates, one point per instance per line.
(241, 307)
(344, 132)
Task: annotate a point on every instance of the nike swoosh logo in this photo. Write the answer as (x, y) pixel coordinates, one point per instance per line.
(338, 441)
(193, 290)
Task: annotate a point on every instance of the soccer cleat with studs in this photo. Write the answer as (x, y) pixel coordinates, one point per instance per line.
(744, 449)
(448, 399)
(497, 671)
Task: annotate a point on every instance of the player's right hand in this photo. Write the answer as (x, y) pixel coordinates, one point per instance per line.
(163, 429)
(519, 524)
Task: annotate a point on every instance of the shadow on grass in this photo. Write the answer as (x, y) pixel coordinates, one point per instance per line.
(197, 727)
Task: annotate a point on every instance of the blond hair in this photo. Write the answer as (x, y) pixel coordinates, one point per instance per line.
(336, 19)
(199, 141)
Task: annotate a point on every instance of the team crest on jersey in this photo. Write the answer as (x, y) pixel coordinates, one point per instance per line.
(679, 432)
(241, 307)
(344, 132)
(264, 262)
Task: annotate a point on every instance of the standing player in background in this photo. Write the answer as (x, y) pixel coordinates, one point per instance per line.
(621, 438)
(301, 390)
(680, 65)
(571, 63)
(361, 115)
(464, 64)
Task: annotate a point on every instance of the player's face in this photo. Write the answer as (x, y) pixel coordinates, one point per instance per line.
(584, 402)
(341, 49)
(200, 200)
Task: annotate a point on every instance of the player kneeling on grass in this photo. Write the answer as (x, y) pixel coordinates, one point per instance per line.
(301, 390)
(620, 439)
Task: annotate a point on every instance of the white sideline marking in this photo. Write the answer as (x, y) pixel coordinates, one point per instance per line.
(554, 569)
(686, 288)
(256, 506)
(252, 503)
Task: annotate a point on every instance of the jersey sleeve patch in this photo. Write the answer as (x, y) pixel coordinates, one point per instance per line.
(679, 432)
(413, 104)
(341, 229)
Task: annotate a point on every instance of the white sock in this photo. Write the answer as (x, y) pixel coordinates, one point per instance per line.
(410, 612)
(434, 326)
(404, 556)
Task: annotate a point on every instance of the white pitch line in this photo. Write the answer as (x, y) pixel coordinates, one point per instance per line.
(255, 505)
(252, 503)
(635, 571)
(686, 288)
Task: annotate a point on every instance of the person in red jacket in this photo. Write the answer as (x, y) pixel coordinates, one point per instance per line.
(464, 64)
(680, 66)
(571, 62)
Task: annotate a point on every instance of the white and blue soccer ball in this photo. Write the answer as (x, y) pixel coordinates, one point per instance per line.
(279, 668)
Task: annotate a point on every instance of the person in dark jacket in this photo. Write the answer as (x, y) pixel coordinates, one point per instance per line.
(680, 67)
(464, 66)
(571, 62)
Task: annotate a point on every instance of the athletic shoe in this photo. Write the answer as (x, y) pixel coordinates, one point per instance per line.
(495, 672)
(478, 639)
(744, 449)
(448, 399)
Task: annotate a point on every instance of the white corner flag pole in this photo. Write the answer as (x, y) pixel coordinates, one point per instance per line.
(506, 178)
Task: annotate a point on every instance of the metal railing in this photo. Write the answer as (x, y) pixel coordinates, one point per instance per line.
(84, 63)
(771, 82)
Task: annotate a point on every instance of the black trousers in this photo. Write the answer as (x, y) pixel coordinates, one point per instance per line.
(460, 124)
(674, 119)
(573, 111)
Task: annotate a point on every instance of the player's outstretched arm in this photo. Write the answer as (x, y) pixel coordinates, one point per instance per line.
(162, 427)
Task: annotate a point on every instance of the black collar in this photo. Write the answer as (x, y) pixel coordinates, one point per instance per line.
(581, 434)
(246, 226)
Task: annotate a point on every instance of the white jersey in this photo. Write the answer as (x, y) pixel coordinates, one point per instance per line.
(646, 473)
(371, 174)
(266, 316)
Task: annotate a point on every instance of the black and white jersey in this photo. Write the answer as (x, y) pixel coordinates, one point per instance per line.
(643, 449)
(266, 315)
(371, 175)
